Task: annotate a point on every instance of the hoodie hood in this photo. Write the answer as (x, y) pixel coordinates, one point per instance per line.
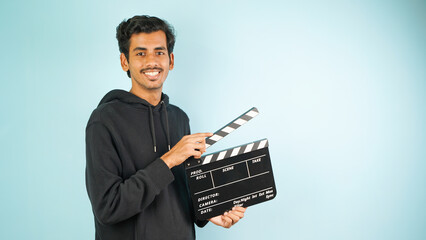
(130, 98)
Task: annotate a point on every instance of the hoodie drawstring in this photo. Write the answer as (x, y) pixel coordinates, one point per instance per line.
(167, 124)
(151, 121)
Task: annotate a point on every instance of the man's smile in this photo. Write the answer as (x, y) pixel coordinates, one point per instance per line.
(152, 74)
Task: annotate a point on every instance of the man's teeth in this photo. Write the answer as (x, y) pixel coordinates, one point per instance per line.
(151, 73)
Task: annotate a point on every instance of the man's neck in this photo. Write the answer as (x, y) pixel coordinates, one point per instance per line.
(153, 97)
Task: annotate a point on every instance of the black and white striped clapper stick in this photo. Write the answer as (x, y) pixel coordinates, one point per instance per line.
(230, 127)
(232, 152)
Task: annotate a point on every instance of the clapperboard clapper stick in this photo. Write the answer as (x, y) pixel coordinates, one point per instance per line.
(238, 176)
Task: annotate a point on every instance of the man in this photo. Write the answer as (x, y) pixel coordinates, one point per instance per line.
(136, 143)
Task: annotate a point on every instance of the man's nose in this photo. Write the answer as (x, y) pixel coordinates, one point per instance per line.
(151, 60)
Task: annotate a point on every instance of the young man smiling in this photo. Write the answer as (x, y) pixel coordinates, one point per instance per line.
(136, 143)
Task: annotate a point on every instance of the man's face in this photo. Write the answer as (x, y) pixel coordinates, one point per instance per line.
(149, 62)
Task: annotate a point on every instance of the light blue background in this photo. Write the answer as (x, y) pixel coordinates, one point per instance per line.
(341, 87)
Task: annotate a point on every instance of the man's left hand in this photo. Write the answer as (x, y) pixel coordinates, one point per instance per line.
(229, 218)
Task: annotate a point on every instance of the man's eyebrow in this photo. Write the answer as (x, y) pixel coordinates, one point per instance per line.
(144, 49)
(139, 49)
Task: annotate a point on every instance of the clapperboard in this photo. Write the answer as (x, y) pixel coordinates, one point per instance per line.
(238, 176)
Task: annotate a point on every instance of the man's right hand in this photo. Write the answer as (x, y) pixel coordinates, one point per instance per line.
(188, 146)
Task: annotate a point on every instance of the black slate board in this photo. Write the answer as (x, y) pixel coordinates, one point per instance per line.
(244, 180)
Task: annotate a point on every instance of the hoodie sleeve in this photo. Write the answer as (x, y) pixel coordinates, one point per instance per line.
(113, 198)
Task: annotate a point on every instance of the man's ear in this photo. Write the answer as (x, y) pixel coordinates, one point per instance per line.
(172, 61)
(124, 62)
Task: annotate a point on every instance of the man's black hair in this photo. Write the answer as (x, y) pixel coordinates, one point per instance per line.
(143, 24)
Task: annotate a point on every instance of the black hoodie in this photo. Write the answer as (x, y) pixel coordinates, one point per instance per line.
(134, 194)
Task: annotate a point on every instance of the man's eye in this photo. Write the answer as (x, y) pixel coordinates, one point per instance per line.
(140, 54)
(160, 53)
